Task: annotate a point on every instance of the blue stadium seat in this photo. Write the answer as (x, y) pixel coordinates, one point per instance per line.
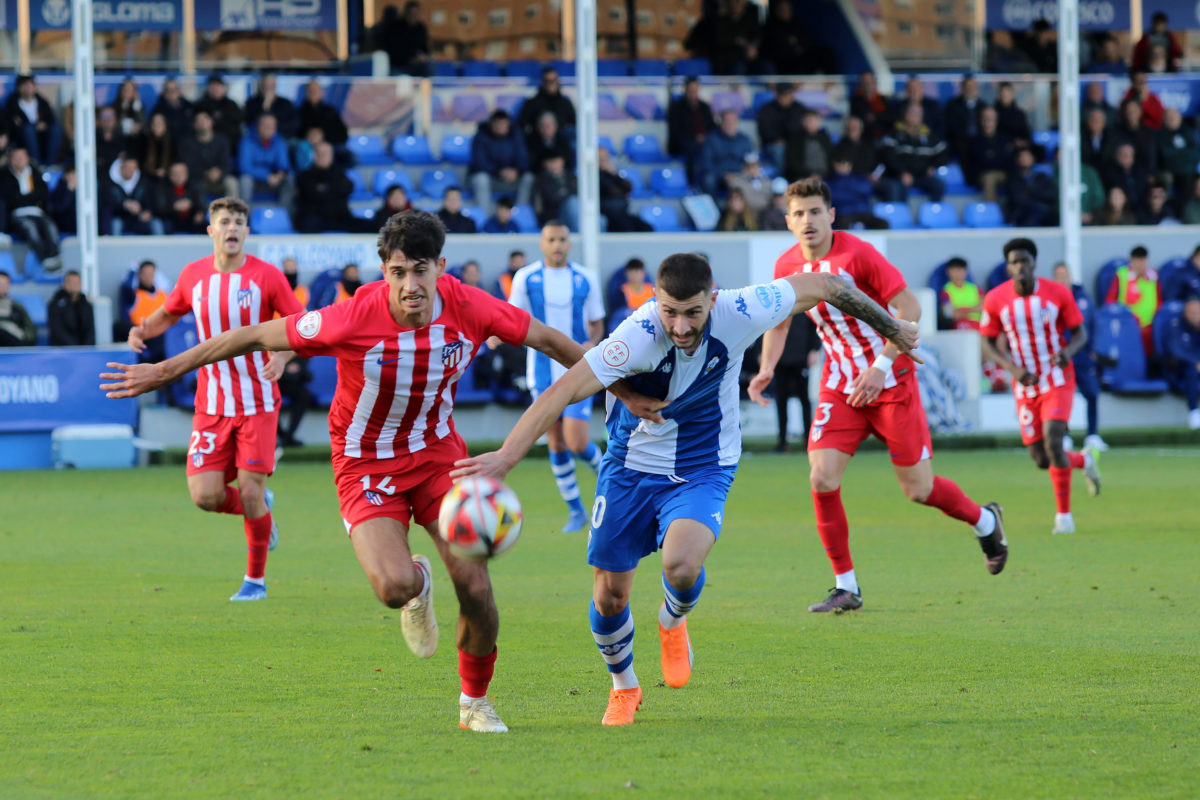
(607, 109)
(1119, 340)
(606, 143)
(52, 177)
(564, 68)
(435, 182)
(360, 187)
(728, 100)
(643, 149)
(270, 220)
(651, 68)
(177, 338)
(997, 276)
(670, 182)
(663, 218)
(526, 219)
(692, 66)
(413, 150)
(1104, 277)
(368, 149)
(983, 215)
(480, 69)
(937, 215)
(365, 212)
(469, 107)
(35, 272)
(938, 279)
(35, 304)
(634, 176)
(612, 68)
(476, 213)
(1168, 316)
(387, 177)
(521, 68)
(324, 378)
(8, 265)
(898, 217)
(456, 148)
(1048, 140)
(1169, 278)
(643, 106)
(445, 69)
(954, 180)
(510, 102)
(467, 389)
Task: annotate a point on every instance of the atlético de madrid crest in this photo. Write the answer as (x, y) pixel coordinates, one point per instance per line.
(245, 297)
(452, 353)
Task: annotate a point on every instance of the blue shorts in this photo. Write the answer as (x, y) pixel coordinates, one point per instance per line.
(634, 509)
(581, 410)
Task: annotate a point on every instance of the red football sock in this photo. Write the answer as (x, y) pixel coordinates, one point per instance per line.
(833, 529)
(1060, 479)
(476, 672)
(232, 504)
(258, 536)
(952, 501)
(1076, 460)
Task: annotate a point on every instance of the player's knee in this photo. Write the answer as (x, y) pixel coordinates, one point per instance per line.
(822, 481)
(1040, 457)
(682, 574)
(394, 591)
(610, 601)
(208, 500)
(917, 492)
(254, 500)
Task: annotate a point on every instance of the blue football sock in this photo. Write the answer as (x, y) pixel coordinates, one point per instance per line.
(614, 638)
(677, 604)
(563, 467)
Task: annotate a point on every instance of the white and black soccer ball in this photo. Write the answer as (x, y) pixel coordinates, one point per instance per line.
(480, 518)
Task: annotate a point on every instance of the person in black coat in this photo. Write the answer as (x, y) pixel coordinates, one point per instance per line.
(179, 203)
(176, 108)
(32, 122)
(62, 202)
(323, 197)
(225, 113)
(791, 374)
(689, 122)
(451, 213)
(962, 116)
(267, 101)
(407, 41)
(549, 97)
(69, 315)
(28, 203)
(779, 118)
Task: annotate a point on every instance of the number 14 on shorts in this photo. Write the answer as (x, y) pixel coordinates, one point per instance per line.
(383, 484)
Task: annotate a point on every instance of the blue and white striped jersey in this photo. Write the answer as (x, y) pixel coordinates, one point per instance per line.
(564, 298)
(703, 427)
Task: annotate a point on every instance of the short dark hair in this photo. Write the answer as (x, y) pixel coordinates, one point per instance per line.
(24, 79)
(450, 189)
(555, 223)
(393, 187)
(233, 205)
(1020, 243)
(418, 234)
(520, 253)
(505, 201)
(684, 275)
(810, 187)
(146, 263)
(1159, 16)
(635, 263)
(71, 272)
(1139, 252)
(957, 262)
(499, 113)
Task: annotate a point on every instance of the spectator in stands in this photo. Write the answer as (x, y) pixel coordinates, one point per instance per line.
(1041, 43)
(226, 115)
(138, 300)
(499, 162)
(16, 326)
(503, 288)
(1157, 208)
(860, 150)
(870, 106)
(33, 123)
(27, 199)
(267, 101)
(69, 315)
(305, 150)
(1116, 209)
(808, 149)
(1136, 285)
(1151, 106)
(914, 93)
(736, 38)
(753, 183)
(501, 220)
(737, 215)
(291, 271)
(293, 387)
(129, 108)
(801, 352)
(1159, 35)
(775, 217)
(110, 142)
(778, 119)
(960, 300)
(348, 285)
(1187, 280)
(1003, 56)
(963, 114)
(852, 197)
(614, 197)
(1183, 345)
(1178, 150)
(265, 165)
(62, 202)
(1010, 118)
(408, 47)
(1096, 143)
(1092, 197)
(179, 203)
(1126, 173)
(130, 199)
(555, 194)
(206, 153)
(176, 108)
(911, 155)
(395, 200)
(1157, 65)
(316, 113)
(787, 49)
(1032, 195)
(471, 275)
(548, 141)
(1093, 98)
(989, 157)
(636, 291)
(689, 123)
(1107, 58)
(451, 212)
(155, 149)
(548, 98)
(323, 197)
(723, 154)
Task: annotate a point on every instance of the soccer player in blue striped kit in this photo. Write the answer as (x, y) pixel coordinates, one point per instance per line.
(670, 461)
(567, 297)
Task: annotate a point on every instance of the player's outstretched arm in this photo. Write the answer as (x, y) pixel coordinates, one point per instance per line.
(815, 287)
(578, 383)
(554, 343)
(131, 380)
(155, 325)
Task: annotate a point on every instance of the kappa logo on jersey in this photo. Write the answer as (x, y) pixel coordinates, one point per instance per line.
(245, 297)
(741, 305)
(373, 497)
(452, 353)
(666, 368)
(712, 362)
(647, 326)
(309, 325)
(615, 353)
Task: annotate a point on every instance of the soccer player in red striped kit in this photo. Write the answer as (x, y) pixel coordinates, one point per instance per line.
(401, 345)
(867, 387)
(237, 400)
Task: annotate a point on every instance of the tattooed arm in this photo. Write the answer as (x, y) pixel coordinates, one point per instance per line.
(814, 287)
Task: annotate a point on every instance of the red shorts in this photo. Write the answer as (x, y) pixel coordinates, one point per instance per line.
(232, 443)
(404, 488)
(1032, 412)
(897, 419)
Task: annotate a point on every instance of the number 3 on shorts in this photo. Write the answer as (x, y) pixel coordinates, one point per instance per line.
(824, 411)
(210, 442)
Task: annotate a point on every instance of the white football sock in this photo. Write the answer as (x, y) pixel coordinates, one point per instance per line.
(847, 581)
(986, 523)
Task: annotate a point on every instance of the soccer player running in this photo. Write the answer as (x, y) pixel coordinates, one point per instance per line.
(664, 480)
(566, 297)
(867, 387)
(237, 398)
(402, 344)
(1032, 314)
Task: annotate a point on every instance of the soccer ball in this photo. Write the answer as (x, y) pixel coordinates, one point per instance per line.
(480, 518)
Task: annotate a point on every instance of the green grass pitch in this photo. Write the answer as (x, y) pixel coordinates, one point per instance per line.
(125, 672)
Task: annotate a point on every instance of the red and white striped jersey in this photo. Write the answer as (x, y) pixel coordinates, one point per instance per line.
(251, 294)
(396, 385)
(1034, 326)
(850, 345)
